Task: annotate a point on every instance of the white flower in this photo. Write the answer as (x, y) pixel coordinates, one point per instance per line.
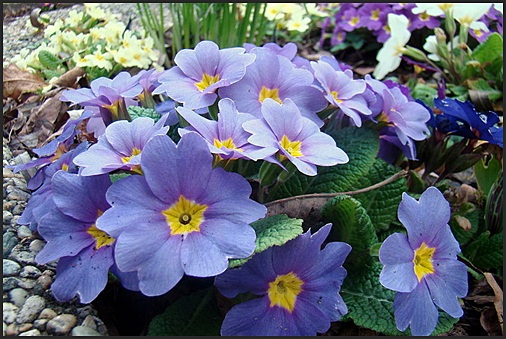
(298, 23)
(389, 56)
(433, 9)
(431, 46)
(469, 14)
(94, 10)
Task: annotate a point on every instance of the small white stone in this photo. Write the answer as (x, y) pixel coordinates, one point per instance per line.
(31, 309)
(10, 312)
(18, 296)
(84, 331)
(32, 333)
(36, 246)
(24, 232)
(10, 268)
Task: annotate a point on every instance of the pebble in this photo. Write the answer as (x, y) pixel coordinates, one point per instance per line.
(24, 232)
(36, 246)
(89, 321)
(10, 240)
(10, 283)
(47, 314)
(40, 324)
(84, 331)
(32, 333)
(18, 296)
(10, 268)
(61, 324)
(23, 257)
(31, 309)
(30, 272)
(10, 312)
(7, 217)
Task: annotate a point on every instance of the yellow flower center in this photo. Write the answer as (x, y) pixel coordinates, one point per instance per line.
(292, 147)
(65, 167)
(423, 261)
(269, 93)
(207, 80)
(229, 143)
(354, 21)
(135, 152)
(101, 238)
(60, 150)
(335, 95)
(184, 216)
(284, 290)
(375, 14)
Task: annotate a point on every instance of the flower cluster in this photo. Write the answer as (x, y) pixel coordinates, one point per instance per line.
(91, 39)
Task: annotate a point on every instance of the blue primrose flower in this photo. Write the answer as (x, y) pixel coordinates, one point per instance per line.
(422, 266)
(85, 252)
(181, 216)
(298, 287)
(462, 118)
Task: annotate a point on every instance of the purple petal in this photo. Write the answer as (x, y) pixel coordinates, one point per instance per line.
(235, 240)
(416, 309)
(85, 274)
(200, 257)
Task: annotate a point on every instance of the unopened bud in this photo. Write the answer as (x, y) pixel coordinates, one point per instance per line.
(440, 36)
(415, 53)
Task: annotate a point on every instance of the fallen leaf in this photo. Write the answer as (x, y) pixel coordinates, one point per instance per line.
(363, 70)
(16, 82)
(498, 300)
(70, 78)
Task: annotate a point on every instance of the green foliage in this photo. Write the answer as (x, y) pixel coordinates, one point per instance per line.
(425, 93)
(49, 60)
(464, 236)
(360, 144)
(487, 171)
(195, 315)
(117, 176)
(352, 225)
(275, 230)
(485, 252)
(490, 50)
(138, 111)
(381, 203)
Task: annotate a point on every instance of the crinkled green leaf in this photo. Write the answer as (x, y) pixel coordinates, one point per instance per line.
(49, 74)
(481, 90)
(138, 111)
(381, 203)
(272, 231)
(196, 315)
(490, 49)
(360, 144)
(49, 60)
(370, 305)
(486, 252)
(351, 225)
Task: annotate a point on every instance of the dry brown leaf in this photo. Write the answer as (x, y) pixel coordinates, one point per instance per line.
(45, 119)
(70, 78)
(363, 70)
(16, 82)
(498, 300)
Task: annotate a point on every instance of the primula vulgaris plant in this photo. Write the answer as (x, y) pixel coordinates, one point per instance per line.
(180, 166)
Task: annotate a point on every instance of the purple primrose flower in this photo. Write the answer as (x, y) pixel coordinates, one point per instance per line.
(110, 96)
(293, 137)
(341, 90)
(422, 266)
(273, 76)
(225, 137)
(180, 217)
(200, 72)
(297, 285)
(120, 147)
(85, 252)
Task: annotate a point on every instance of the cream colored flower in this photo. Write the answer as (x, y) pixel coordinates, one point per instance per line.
(101, 60)
(389, 56)
(431, 46)
(81, 61)
(94, 10)
(74, 18)
(56, 27)
(433, 9)
(298, 23)
(469, 14)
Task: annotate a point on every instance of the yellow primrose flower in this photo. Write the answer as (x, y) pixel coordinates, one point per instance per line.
(298, 23)
(94, 10)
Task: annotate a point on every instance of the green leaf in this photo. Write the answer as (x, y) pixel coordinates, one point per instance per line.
(381, 203)
(196, 315)
(49, 74)
(275, 230)
(138, 111)
(370, 305)
(481, 90)
(49, 60)
(425, 93)
(487, 173)
(360, 144)
(486, 252)
(490, 49)
(352, 225)
(463, 236)
(117, 176)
